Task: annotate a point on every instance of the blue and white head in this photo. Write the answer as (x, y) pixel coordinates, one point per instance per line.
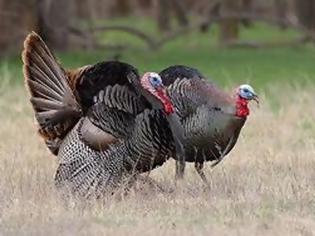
(247, 92)
(152, 83)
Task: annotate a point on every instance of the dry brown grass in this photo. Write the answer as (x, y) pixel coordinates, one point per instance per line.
(266, 186)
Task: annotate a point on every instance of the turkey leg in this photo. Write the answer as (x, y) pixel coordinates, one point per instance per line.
(199, 169)
(180, 169)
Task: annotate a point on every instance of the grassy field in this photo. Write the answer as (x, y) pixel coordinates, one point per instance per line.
(266, 186)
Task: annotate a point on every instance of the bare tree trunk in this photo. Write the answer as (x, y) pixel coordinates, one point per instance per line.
(145, 4)
(122, 7)
(179, 10)
(53, 22)
(247, 7)
(229, 28)
(281, 7)
(306, 13)
(163, 15)
(83, 9)
(213, 10)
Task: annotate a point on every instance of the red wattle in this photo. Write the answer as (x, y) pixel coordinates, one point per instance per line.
(242, 109)
(168, 108)
(167, 104)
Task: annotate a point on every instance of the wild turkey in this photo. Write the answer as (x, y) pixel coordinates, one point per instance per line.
(105, 123)
(212, 119)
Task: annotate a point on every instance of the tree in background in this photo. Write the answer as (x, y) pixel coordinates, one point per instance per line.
(66, 24)
(165, 8)
(305, 10)
(122, 8)
(229, 28)
(53, 21)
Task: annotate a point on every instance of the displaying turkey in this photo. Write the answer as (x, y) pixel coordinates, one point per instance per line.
(212, 119)
(105, 123)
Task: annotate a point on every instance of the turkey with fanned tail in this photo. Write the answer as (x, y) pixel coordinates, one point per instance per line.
(105, 123)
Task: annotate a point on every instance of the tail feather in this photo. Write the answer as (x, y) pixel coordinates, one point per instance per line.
(40, 65)
(44, 91)
(51, 96)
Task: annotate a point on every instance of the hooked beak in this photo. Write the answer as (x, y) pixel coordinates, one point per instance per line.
(256, 99)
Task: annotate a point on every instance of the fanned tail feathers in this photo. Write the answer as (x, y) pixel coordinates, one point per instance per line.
(53, 101)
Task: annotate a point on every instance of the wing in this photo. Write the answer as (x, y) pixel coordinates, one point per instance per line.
(89, 84)
(114, 113)
(55, 106)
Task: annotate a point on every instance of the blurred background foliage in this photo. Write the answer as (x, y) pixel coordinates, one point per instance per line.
(255, 41)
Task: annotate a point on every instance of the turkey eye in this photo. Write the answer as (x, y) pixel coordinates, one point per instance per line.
(246, 90)
(155, 81)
